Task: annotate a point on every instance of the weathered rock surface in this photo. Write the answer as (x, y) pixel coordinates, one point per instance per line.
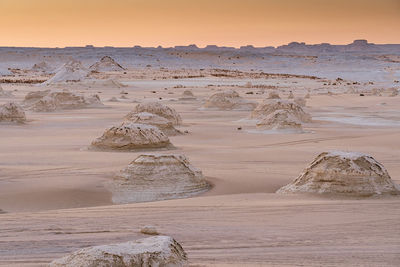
(72, 71)
(229, 100)
(160, 110)
(280, 120)
(162, 123)
(147, 252)
(47, 101)
(105, 64)
(346, 173)
(132, 136)
(154, 177)
(11, 112)
(269, 106)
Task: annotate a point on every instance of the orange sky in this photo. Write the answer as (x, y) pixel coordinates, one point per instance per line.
(50, 23)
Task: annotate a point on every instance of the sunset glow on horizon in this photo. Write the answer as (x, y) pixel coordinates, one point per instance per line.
(125, 23)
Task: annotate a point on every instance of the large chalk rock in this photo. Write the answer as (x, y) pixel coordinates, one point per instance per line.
(11, 112)
(154, 177)
(132, 136)
(269, 106)
(347, 173)
(147, 252)
(160, 110)
(280, 120)
(105, 64)
(229, 100)
(162, 123)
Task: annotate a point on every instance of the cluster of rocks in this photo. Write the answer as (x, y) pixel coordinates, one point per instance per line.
(47, 101)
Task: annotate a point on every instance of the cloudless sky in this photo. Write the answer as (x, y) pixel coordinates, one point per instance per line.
(51, 23)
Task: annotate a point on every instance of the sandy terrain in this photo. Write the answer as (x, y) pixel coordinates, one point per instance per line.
(55, 195)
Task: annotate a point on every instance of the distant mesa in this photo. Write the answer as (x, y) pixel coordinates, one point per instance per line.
(159, 109)
(48, 101)
(132, 136)
(11, 112)
(343, 173)
(154, 177)
(229, 100)
(151, 251)
(165, 125)
(106, 64)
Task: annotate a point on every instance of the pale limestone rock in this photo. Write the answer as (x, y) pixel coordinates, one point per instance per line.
(269, 106)
(11, 112)
(132, 136)
(160, 110)
(153, 177)
(229, 100)
(148, 252)
(162, 123)
(344, 173)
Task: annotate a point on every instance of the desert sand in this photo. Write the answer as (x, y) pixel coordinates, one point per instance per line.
(55, 195)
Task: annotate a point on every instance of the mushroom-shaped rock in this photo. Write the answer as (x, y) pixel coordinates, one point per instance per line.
(343, 173)
(229, 100)
(162, 123)
(60, 100)
(160, 110)
(132, 136)
(269, 106)
(11, 112)
(146, 252)
(280, 120)
(155, 177)
(105, 64)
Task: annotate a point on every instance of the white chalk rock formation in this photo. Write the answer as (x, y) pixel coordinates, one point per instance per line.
(147, 252)
(149, 230)
(47, 101)
(300, 101)
(5, 93)
(269, 106)
(42, 67)
(187, 95)
(11, 112)
(273, 95)
(280, 120)
(346, 173)
(155, 177)
(291, 96)
(132, 136)
(161, 123)
(229, 100)
(160, 110)
(72, 71)
(105, 64)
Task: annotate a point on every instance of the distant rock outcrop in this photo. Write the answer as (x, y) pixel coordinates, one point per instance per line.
(147, 252)
(345, 173)
(73, 71)
(132, 136)
(154, 177)
(105, 64)
(269, 106)
(160, 110)
(229, 100)
(11, 112)
(47, 101)
(149, 118)
(280, 120)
